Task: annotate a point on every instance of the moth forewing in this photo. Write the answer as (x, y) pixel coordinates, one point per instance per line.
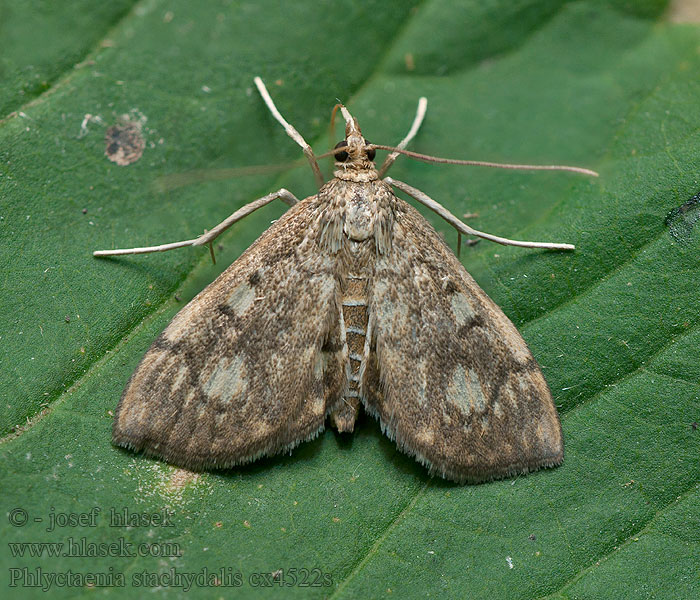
(351, 298)
(460, 390)
(248, 368)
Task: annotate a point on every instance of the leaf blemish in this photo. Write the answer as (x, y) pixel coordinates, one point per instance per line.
(181, 477)
(124, 141)
(682, 220)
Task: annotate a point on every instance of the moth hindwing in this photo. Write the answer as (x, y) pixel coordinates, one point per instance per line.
(350, 299)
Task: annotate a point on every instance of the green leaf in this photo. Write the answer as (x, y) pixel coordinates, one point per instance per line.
(28, 67)
(615, 325)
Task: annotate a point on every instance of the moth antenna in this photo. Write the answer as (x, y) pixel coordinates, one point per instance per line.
(285, 195)
(291, 132)
(417, 122)
(426, 200)
(480, 163)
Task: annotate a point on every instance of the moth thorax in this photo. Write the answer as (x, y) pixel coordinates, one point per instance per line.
(359, 220)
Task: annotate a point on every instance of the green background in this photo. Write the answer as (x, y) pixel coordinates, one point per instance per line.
(612, 86)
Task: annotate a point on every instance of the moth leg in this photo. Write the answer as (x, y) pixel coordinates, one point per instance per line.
(417, 121)
(291, 132)
(343, 417)
(282, 194)
(285, 195)
(468, 243)
(424, 199)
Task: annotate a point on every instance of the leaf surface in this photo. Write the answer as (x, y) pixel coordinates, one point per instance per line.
(615, 325)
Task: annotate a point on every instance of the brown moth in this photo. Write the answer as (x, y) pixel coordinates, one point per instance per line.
(350, 299)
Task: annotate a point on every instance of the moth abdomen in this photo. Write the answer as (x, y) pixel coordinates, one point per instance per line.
(354, 320)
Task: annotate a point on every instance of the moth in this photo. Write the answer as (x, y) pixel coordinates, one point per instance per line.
(350, 299)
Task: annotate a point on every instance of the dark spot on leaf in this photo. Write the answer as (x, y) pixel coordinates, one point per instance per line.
(125, 143)
(67, 318)
(531, 537)
(682, 220)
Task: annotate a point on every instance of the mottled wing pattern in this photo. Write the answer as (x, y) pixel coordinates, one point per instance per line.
(252, 365)
(452, 380)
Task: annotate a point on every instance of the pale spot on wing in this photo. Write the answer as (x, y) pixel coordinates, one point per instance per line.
(319, 366)
(497, 410)
(421, 275)
(179, 379)
(190, 396)
(319, 405)
(241, 299)
(509, 392)
(457, 390)
(525, 441)
(425, 437)
(477, 398)
(446, 418)
(523, 385)
(278, 365)
(308, 355)
(260, 430)
(201, 413)
(227, 381)
(328, 288)
(463, 309)
(391, 316)
(465, 391)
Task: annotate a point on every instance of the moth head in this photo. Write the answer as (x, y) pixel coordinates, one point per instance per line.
(354, 146)
(353, 152)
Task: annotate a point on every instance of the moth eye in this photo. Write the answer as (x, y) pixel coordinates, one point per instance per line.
(370, 153)
(341, 156)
